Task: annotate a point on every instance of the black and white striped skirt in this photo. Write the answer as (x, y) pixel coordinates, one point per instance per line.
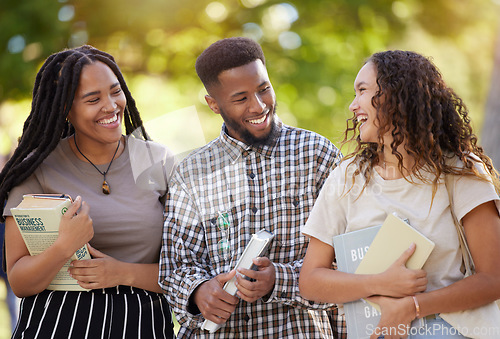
(119, 312)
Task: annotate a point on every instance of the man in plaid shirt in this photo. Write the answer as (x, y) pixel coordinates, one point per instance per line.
(258, 174)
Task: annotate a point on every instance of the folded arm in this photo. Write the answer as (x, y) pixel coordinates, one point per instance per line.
(319, 282)
(103, 271)
(482, 230)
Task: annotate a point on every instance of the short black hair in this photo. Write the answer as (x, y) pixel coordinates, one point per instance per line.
(226, 54)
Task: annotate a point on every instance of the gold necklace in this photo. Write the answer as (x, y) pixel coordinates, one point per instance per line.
(106, 189)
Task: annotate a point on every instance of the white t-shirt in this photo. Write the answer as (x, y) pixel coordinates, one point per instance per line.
(336, 212)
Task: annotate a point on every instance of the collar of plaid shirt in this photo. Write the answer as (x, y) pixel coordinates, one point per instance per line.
(236, 148)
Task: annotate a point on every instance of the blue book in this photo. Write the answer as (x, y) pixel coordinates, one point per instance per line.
(350, 248)
(370, 251)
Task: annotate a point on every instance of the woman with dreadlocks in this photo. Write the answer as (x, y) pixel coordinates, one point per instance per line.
(413, 135)
(72, 143)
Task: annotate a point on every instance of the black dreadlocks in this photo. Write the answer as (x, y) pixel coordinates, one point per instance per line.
(53, 94)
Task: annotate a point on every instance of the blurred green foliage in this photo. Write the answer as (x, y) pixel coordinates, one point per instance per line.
(30, 31)
(314, 49)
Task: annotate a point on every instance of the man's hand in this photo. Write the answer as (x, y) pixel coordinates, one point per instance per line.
(265, 278)
(214, 303)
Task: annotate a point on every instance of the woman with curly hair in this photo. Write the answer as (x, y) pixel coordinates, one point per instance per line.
(411, 131)
(72, 143)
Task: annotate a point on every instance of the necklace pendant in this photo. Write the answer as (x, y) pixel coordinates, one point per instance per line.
(105, 187)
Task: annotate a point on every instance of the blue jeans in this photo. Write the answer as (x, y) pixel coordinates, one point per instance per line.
(433, 328)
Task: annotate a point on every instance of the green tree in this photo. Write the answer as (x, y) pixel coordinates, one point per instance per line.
(314, 48)
(29, 32)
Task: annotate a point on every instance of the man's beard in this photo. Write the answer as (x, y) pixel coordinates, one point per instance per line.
(249, 138)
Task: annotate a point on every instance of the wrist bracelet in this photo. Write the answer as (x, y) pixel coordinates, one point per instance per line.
(417, 307)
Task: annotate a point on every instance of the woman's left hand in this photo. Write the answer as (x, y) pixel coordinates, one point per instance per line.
(397, 315)
(100, 272)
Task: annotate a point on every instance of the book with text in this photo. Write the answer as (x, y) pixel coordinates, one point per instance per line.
(370, 251)
(38, 217)
(350, 248)
(257, 247)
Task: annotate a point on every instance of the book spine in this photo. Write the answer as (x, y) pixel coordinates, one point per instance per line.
(340, 258)
(210, 326)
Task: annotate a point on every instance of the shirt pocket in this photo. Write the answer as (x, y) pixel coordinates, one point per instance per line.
(219, 235)
(291, 214)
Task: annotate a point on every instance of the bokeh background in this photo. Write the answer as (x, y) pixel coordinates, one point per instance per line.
(314, 49)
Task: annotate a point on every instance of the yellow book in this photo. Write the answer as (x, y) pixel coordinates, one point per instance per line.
(394, 237)
(38, 217)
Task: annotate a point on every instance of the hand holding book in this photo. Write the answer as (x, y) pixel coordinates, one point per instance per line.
(382, 251)
(75, 230)
(404, 281)
(215, 304)
(392, 246)
(103, 271)
(264, 272)
(47, 222)
(397, 314)
(259, 244)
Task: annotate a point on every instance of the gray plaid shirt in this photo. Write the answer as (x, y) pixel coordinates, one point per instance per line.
(272, 187)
